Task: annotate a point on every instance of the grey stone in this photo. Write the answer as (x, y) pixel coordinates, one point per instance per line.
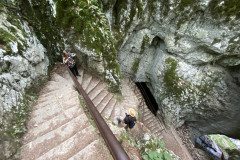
(204, 48)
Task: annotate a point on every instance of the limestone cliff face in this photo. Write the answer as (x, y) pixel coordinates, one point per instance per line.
(188, 54)
(23, 64)
(33, 35)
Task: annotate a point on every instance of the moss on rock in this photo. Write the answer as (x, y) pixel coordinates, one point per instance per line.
(135, 65)
(185, 3)
(225, 8)
(91, 25)
(145, 42)
(171, 78)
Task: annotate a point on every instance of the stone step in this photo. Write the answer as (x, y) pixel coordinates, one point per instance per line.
(52, 139)
(98, 99)
(154, 124)
(155, 130)
(52, 124)
(44, 114)
(63, 91)
(72, 145)
(58, 78)
(102, 100)
(147, 112)
(80, 79)
(148, 117)
(58, 95)
(86, 80)
(116, 112)
(147, 122)
(52, 85)
(94, 151)
(56, 99)
(96, 90)
(151, 123)
(48, 103)
(127, 105)
(108, 109)
(92, 85)
(66, 75)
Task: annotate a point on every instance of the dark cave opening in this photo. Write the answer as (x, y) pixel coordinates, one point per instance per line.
(148, 97)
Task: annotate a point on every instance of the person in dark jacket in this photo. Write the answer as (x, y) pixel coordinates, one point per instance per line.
(130, 120)
(69, 61)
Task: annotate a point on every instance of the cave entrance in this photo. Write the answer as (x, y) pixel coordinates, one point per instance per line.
(148, 97)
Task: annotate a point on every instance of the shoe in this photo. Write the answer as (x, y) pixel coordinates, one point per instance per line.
(118, 120)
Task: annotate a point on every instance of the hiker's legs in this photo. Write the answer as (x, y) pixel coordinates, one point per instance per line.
(75, 70)
(72, 70)
(126, 127)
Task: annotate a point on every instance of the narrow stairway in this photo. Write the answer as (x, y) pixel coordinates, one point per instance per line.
(111, 108)
(58, 127)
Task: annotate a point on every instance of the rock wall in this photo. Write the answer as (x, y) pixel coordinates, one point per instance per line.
(33, 35)
(188, 54)
(23, 64)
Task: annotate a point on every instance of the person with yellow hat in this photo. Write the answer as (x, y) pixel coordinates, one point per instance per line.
(130, 120)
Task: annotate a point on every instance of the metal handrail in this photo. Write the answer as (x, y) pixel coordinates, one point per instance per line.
(113, 145)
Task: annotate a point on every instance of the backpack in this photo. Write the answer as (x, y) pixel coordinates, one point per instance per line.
(131, 121)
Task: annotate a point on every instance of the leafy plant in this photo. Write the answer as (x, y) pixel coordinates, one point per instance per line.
(154, 155)
(154, 149)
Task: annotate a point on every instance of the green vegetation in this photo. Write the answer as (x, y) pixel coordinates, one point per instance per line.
(186, 3)
(83, 104)
(39, 17)
(154, 155)
(223, 141)
(92, 27)
(135, 65)
(13, 127)
(17, 121)
(185, 92)
(154, 149)
(139, 7)
(145, 42)
(119, 97)
(6, 37)
(126, 137)
(10, 36)
(228, 8)
(136, 8)
(171, 78)
(119, 30)
(139, 114)
(151, 7)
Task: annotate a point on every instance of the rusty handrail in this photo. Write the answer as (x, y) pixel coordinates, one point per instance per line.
(113, 145)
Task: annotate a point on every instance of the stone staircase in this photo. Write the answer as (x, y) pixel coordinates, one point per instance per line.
(58, 127)
(152, 122)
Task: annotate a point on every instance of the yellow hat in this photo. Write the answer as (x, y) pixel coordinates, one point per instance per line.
(131, 112)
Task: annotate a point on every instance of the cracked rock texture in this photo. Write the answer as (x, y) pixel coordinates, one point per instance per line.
(188, 54)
